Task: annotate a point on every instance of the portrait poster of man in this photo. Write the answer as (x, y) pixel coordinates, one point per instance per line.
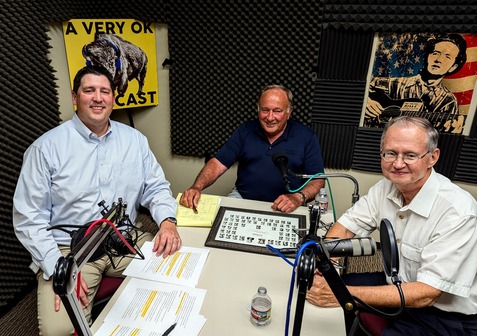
(125, 47)
(425, 74)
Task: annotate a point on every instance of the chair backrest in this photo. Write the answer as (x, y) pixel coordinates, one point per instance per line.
(364, 264)
(107, 288)
(373, 324)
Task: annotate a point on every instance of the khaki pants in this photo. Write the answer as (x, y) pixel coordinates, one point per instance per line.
(54, 323)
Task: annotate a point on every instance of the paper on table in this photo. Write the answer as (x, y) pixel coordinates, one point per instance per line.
(156, 306)
(206, 212)
(112, 328)
(182, 268)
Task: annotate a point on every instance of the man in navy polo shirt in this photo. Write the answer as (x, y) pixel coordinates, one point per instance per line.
(253, 144)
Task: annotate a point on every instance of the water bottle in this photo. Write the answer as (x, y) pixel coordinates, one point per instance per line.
(322, 200)
(261, 309)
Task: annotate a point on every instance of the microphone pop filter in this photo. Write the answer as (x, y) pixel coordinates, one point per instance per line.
(389, 248)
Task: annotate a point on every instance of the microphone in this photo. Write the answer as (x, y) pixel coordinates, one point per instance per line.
(351, 247)
(281, 161)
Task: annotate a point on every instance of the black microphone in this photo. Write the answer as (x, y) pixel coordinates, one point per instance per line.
(352, 247)
(281, 161)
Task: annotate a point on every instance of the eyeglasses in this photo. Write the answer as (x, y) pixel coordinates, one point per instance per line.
(408, 158)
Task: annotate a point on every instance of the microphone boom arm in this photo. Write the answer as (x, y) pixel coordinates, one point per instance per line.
(67, 268)
(319, 258)
(355, 196)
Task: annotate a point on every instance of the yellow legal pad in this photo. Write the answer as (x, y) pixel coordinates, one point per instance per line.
(207, 209)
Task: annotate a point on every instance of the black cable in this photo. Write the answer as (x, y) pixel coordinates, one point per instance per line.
(112, 246)
(380, 312)
(130, 117)
(62, 226)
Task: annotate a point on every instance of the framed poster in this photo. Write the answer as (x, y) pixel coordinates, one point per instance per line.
(125, 47)
(425, 74)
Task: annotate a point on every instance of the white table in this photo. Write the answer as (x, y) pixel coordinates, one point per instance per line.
(232, 277)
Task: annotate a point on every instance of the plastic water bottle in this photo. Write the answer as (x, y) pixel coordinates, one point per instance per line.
(261, 309)
(322, 200)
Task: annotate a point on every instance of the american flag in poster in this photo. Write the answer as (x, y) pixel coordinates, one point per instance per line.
(403, 80)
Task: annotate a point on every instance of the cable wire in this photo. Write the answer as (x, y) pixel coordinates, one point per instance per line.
(329, 190)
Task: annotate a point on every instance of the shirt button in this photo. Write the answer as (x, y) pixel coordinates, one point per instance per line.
(401, 216)
(398, 241)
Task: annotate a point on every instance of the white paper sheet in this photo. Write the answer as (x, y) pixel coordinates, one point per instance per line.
(111, 328)
(182, 268)
(154, 306)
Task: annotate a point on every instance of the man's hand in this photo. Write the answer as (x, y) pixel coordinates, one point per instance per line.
(167, 240)
(212, 170)
(320, 294)
(373, 108)
(83, 298)
(287, 203)
(190, 198)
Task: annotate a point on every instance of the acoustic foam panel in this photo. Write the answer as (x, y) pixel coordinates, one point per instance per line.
(224, 55)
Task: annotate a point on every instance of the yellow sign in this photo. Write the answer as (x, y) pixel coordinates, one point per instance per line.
(127, 48)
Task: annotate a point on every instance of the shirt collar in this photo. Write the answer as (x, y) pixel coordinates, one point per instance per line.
(283, 137)
(422, 203)
(84, 131)
(435, 85)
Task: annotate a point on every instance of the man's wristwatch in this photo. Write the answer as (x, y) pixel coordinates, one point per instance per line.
(171, 219)
(303, 197)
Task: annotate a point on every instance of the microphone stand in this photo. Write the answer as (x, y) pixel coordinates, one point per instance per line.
(319, 258)
(67, 268)
(305, 270)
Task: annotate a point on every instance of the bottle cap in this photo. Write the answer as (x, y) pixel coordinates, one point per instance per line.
(323, 191)
(262, 290)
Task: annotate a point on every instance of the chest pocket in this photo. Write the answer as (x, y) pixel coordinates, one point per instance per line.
(128, 177)
(410, 262)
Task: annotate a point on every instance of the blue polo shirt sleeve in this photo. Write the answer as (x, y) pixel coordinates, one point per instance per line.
(303, 150)
(232, 149)
(313, 160)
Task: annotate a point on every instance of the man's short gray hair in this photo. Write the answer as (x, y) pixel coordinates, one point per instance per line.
(403, 121)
